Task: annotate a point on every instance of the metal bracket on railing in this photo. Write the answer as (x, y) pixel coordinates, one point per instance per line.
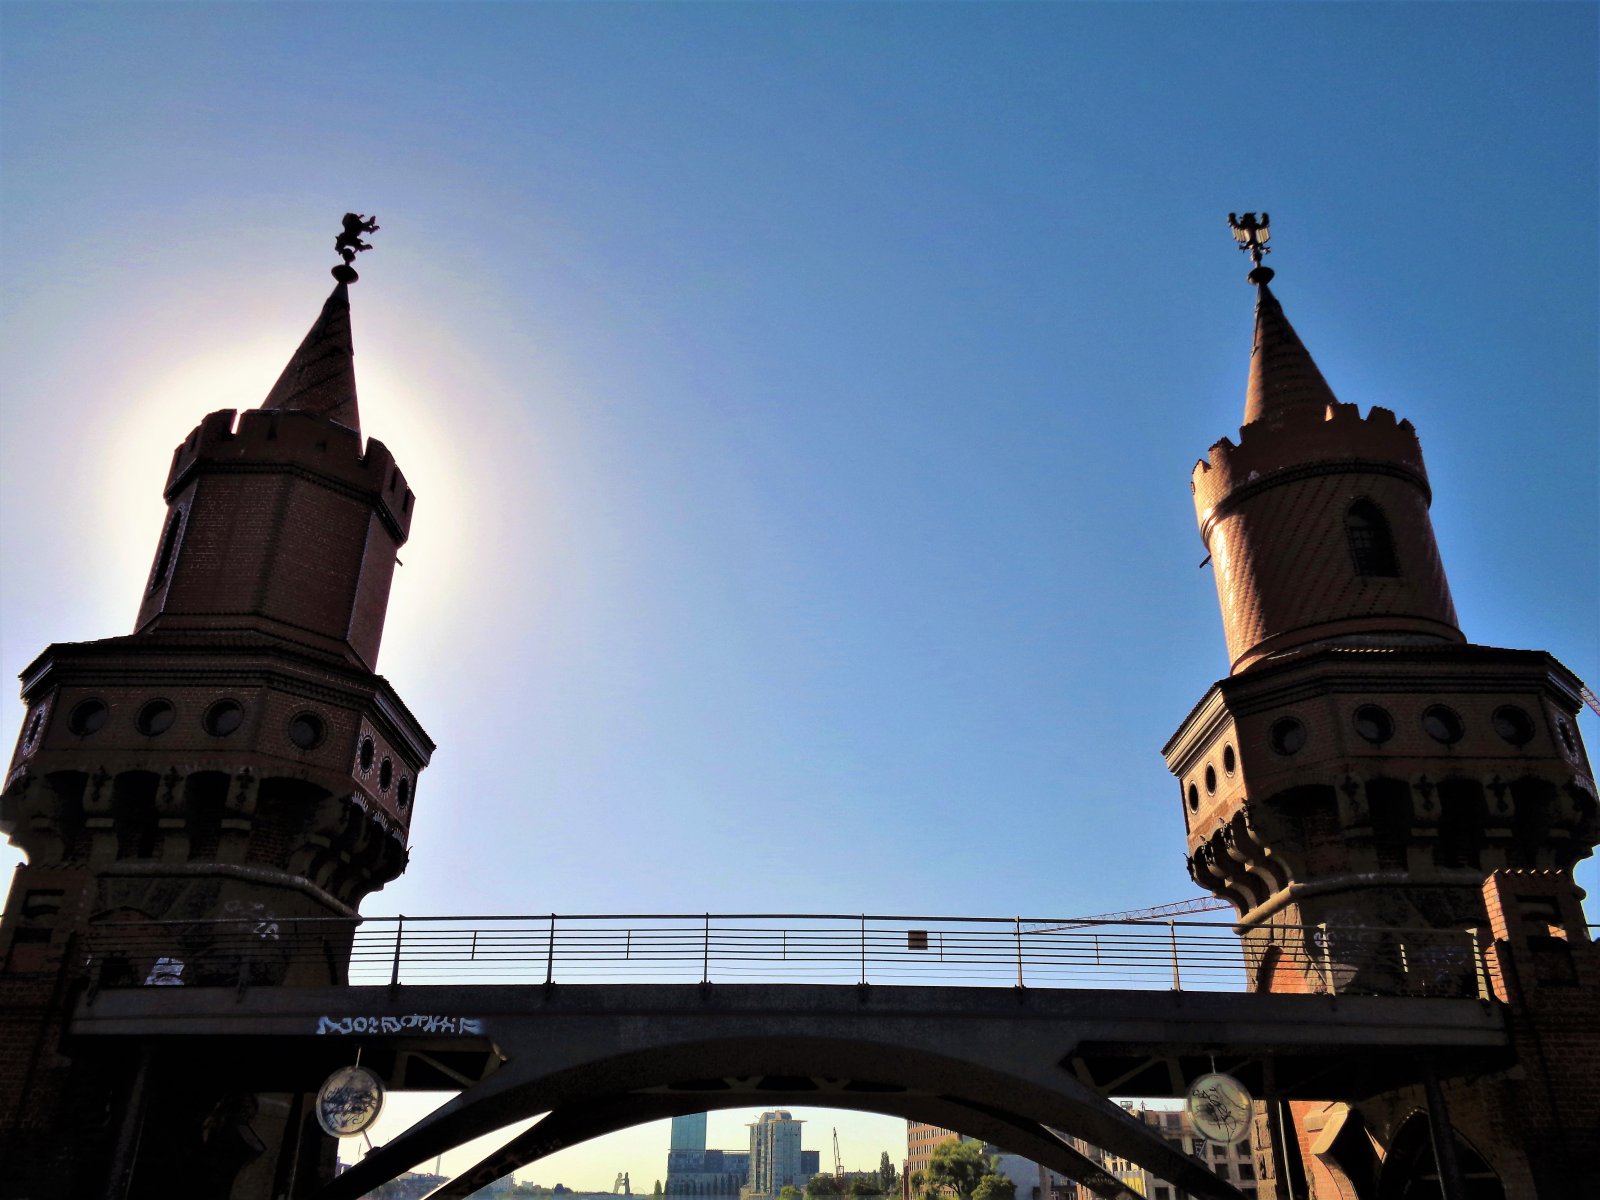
(1172, 933)
(95, 969)
(399, 934)
(863, 949)
(1480, 966)
(705, 955)
(1019, 953)
(550, 956)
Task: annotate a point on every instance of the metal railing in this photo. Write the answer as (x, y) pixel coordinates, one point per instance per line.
(788, 948)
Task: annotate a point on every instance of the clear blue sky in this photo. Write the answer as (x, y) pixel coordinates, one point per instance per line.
(800, 399)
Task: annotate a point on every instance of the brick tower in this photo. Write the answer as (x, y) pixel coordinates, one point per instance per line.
(1364, 765)
(232, 765)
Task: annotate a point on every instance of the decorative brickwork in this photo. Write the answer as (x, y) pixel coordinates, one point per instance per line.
(1366, 771)
(230, 766)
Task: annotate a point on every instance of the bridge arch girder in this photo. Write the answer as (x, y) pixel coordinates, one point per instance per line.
(1001, 1088)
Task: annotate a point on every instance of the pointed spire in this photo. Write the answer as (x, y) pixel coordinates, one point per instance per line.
(1282, 373)
(321, 377)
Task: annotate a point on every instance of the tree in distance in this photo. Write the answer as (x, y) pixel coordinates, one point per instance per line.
(866, 1186)
(790, 1192)
(887, 1175)
(958, 1167)
(824, 1185)
(995, 1187)
(657, 1192)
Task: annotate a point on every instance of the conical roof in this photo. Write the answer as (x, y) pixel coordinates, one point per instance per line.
(321, 377)
(1282, 373)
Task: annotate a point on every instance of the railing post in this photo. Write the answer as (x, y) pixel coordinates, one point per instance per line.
(1019, 953)
(550, 954)
(1172, 934)
(863, 947)
(705, 960)
(399, 933)
(1480, 966)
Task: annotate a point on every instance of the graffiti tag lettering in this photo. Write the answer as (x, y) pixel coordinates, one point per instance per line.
(407, 1023)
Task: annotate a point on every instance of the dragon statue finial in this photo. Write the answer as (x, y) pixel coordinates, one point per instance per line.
(348, 244)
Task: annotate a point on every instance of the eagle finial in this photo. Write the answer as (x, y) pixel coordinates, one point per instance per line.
(1252, 236)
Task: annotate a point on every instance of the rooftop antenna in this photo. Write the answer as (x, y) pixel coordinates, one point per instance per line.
(1252, 236)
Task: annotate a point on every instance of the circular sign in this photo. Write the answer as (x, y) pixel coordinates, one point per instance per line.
(349, 1101)
(1220, 1108)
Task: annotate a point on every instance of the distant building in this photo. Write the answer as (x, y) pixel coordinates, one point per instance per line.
(1034, 1182)
(707, 1173)
(693, 1170)
(920, 1141)
(689, 1132)
(1234, 1162)
(776, 1160)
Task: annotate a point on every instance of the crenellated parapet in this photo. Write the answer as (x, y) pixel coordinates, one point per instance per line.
(273, 439)
(1289, 445)
(1317, 524)
(278, 521)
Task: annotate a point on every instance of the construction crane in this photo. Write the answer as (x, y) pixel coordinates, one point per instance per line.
(1177, 908)
(838, 1163)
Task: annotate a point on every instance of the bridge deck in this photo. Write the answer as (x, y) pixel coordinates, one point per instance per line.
(1131, 1042)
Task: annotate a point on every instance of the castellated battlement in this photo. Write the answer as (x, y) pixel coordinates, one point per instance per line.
(231, 440)
(1299, 437)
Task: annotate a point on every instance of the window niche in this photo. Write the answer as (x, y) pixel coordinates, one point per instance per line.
(1371, 544)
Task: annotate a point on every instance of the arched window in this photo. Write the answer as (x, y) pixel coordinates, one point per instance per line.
(1371, 546)
(169, 544)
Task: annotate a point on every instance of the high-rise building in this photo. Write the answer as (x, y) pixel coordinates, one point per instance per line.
(689, 1132)
(1365, 766)
(693, 1170)
(185, 791)
(775, 1158)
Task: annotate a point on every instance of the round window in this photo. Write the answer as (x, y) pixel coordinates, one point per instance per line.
(1194, 798)
(385, 775)
(1228, 759)
(155, 717)
(1288, 736)
(1442, 724)
(223, 717)
(367, 754)
(88, 717)
(403, 795)
(1374, 724)
(1211, 780)
(306, 730)
(1513, 724)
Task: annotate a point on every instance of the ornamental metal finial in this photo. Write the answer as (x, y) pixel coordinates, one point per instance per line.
(1252, 236)
(348, 244)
